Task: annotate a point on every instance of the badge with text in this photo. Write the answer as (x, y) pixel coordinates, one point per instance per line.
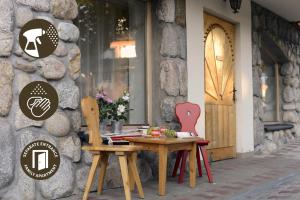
(38, 100)
(38, 38)
(40, 160)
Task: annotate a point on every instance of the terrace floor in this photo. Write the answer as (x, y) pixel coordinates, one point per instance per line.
(276, 176)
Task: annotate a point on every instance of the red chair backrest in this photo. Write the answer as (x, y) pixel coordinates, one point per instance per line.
(188, 115)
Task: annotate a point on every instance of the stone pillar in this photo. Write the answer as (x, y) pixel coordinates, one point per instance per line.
(172, 60)
(60, 70)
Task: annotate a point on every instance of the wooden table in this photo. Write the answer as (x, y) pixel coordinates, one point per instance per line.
(165, 145)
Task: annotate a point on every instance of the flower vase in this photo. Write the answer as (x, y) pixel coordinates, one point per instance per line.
(103, 126)
(117, 126)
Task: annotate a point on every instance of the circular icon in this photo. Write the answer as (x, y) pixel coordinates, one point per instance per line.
(38, 100)
(38, 38)
(40, 159)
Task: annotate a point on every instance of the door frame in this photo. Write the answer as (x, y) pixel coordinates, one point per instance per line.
(243, 63)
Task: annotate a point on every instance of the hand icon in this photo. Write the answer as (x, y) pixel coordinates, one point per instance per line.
(38, 106)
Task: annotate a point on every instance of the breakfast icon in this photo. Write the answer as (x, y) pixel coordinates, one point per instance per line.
(38, 100)
(38, 38)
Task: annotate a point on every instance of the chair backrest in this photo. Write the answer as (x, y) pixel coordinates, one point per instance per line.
(90, 112)
(188, 114)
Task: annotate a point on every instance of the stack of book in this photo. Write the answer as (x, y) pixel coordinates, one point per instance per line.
(118, 138)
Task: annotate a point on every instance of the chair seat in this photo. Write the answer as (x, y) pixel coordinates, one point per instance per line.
(113, 148)
(203, 142)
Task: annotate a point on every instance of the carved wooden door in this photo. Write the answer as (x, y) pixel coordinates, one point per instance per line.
(219, 87)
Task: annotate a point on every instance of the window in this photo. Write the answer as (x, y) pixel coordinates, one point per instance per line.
(112, 43)
(269, 90)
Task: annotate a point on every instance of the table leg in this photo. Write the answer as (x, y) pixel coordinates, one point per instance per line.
(192, 159)
(163, 157)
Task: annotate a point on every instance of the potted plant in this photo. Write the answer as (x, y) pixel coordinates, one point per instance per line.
(106, 109)
(120, 112)
(115, 112)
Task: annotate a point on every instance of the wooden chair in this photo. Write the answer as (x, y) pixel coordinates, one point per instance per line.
(188, 114)
(125, 153)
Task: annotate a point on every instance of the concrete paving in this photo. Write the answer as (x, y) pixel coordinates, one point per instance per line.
(275, 176)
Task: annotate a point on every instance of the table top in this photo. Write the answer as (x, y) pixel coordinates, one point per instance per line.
(151, 140)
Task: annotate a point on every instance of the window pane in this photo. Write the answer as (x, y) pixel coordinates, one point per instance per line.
(268, 88)
(112, 43)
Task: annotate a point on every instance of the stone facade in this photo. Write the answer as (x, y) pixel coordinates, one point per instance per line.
(286, 37)
(61, 70)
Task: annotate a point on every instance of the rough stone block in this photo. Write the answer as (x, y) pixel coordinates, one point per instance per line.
(291, 81)
(61, 49)
(21, 121)
(167, 108)
(24, 186)
(270, 146)
(173, 42)
(6, 15)
(24, 65)
(287, 69)
(75, 119)
(290, 116)
(145, 170)
(23, 15)
(64, 9)
(52, 68)
(258, 132)
(6, 77)
(290, 106)
(20, 81)
(256, 56)
(68, 32)
(166, 10)
(87, 157)
(288, 94)
(173, 77)
(71, 147)
(256, 71)
(7, 149)
(297, 107)
(74, 62)
(81, 177)
(61, 184)
(58, 124)
(6, 43)
(68, 94)
(38, 5)
(258, 108)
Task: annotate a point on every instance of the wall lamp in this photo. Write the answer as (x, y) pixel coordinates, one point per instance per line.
(235, 5)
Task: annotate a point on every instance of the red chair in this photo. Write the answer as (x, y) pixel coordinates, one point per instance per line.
(188, 114)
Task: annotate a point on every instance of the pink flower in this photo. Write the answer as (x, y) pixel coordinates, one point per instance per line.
(99, 96)
(109, 100)
(103, 95)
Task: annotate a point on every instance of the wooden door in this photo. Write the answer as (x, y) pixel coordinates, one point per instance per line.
(219, 88)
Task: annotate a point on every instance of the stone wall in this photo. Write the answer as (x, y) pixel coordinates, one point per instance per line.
(286, 38)
(169, 64)
(61, 69)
